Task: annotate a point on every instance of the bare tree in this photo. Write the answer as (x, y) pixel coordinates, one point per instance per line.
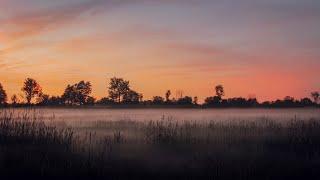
(31, 89)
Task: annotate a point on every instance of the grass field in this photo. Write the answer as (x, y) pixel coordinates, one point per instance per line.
(163, 149)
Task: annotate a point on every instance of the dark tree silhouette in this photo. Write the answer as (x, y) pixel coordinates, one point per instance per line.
(252, 102)
(195, 100)
(315, 95)
(3, 95)
(131, 97)
(69, 95)
(14, 99)
(84, 89)
(236, 102)
(168, 94)
(31, 89)
(118, 87)
(105, 101)
(77, 94)
(288, 101)
(43, 99)
(219, 91)
(90, 100)
(120, 92)
(185, 100)
(56, 100)
(212, 101)
(158, 100)
(305, 102)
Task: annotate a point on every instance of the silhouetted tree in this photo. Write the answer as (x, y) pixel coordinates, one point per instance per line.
(31, 89)
(219, 91)
(131, 97)
(237, 102)
(69, 96)
(118, 87)
(84, 89)
(147, 102)
(90, 100)
(315, 95)
(43, 99)
(77, 94)
(266, 104)
(305, 102)
(252, 102)
(168, 94)
(56, 100)
(46, 100)
(212, 101)
(288, 99)
(3, 95)
(185, 100)
(105, 101)
(14, 99)
(158, 100)
(195, 100)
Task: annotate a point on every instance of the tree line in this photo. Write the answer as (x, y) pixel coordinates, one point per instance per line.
(121, 93)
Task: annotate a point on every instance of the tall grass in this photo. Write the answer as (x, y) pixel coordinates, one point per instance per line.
(164, 149)
(28, 129)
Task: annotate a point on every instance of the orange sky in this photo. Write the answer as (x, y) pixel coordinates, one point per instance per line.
(270, 49)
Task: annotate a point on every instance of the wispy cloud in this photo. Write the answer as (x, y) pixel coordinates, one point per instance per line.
(37, 21)
(25, 25)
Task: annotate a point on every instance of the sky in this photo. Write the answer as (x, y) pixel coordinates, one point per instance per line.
(263, 48)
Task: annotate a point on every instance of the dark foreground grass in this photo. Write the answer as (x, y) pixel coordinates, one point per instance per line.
(164, 149)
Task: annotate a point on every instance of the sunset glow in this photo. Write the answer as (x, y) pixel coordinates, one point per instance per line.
(266, 48)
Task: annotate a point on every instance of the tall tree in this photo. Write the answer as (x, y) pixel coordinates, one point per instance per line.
(78, 94)
(3, 95)
(31, 89)
(168, 94)
(84, 90)
(69, 95)
(118, 87)
(219, 91)
(315, 95)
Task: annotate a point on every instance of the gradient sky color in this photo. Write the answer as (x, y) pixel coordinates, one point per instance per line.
(267, 48)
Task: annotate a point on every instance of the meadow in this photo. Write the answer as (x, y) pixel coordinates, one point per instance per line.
(166, 145)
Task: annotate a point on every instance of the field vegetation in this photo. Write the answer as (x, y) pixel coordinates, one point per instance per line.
(163, 149)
